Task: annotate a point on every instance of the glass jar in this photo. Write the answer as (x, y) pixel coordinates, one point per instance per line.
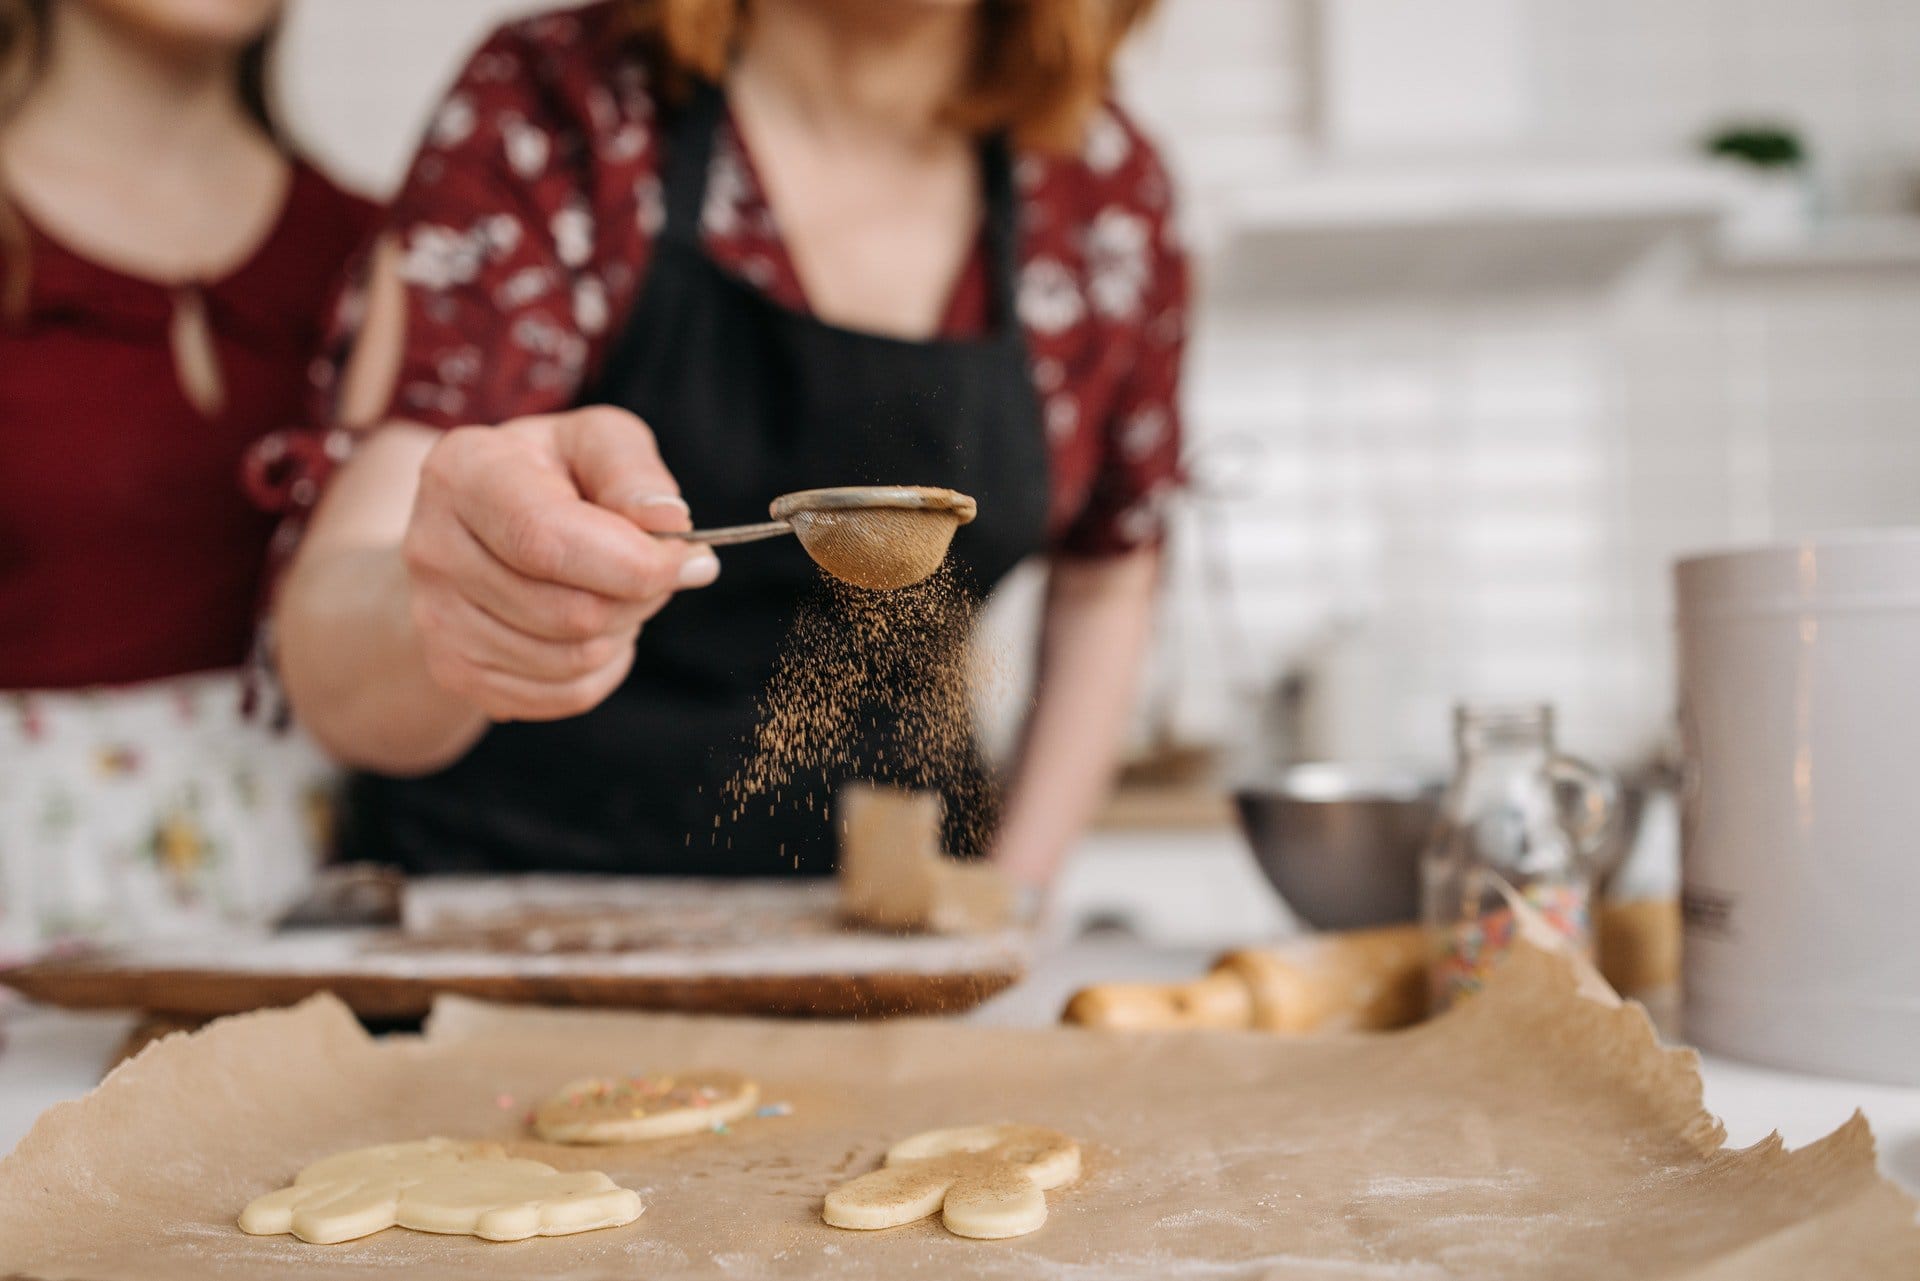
(1518, 816)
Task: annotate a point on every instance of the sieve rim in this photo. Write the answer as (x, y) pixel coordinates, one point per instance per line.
(869, 497)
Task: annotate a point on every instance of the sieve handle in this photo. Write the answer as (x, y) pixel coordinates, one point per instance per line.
(730, 534)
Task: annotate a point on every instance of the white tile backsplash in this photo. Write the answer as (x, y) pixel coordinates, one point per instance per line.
(1505, 486)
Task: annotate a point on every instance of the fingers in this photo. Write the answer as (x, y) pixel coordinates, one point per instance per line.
(515, 488)
(528, 588)
(513, 674)
(493, 645)
(457, 562)
(523, 508)
(511, 696)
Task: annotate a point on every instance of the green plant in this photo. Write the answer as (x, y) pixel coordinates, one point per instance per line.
(1761, 145)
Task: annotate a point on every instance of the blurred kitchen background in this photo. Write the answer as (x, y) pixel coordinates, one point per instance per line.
(1486, 337)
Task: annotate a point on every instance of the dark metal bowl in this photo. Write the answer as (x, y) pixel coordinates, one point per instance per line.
(1342, 842)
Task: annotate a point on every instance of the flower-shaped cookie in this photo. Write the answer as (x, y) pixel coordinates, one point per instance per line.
(986, 1180)
(438, 1185)
(630, 1109)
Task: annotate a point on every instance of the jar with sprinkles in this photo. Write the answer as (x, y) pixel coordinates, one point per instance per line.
(1519, 818)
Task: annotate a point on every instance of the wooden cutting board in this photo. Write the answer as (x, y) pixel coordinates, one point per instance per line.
(739, 947)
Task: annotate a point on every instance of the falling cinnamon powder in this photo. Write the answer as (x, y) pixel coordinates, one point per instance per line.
(879, 686)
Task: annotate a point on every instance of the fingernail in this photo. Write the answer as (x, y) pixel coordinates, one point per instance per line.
(699, 569)
(658, 513)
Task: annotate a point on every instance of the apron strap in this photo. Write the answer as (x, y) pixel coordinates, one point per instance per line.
(1003, 237)
(689, 157)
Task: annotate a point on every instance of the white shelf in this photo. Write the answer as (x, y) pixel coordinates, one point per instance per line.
(1351, 228)
(1870, 245)
(1397, 197)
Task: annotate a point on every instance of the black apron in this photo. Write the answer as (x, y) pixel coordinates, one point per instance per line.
(748, 400)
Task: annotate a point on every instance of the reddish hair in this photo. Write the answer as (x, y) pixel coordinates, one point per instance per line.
(1040, 67)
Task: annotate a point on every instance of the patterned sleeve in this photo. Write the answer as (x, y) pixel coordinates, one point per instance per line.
(508, 295)
(1139, 468)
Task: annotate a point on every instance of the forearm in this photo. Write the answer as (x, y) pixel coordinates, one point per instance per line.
(347, 648)
(352, 665)
(1098, 622)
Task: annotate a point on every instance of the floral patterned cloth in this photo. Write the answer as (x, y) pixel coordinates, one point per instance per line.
(528, 218)
(149, 810)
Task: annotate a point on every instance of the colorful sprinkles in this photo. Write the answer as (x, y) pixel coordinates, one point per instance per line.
(640, 1096)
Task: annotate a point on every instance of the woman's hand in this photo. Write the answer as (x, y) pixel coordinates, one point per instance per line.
(449, 580)
(531, 560)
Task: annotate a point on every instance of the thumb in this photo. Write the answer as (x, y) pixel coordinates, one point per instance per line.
(615, 463)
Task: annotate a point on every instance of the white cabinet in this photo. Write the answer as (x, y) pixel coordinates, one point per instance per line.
(1401, 75)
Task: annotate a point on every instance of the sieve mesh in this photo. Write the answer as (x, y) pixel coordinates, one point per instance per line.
(877, 547)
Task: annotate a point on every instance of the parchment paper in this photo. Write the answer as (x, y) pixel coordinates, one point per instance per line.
(1531, 1133)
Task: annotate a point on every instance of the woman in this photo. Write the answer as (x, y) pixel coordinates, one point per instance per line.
(689, 254)
(163, 266)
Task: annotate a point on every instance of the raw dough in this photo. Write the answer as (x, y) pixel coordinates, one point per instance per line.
(990, 1179)
(438, 1185)
(629, 1109)
(893, 875)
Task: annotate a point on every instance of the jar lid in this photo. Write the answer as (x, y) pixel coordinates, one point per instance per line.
(1852, 569)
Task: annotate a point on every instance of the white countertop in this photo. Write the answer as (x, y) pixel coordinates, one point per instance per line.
(52, 1055)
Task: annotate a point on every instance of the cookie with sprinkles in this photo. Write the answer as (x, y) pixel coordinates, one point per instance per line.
(628, 1109)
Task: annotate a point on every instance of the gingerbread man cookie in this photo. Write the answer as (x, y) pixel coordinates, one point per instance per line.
(986, 1181)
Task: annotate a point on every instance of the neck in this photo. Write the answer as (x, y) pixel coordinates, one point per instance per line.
(109, 88)
(859, 67)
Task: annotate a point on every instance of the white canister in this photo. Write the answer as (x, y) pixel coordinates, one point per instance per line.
(1800, 713)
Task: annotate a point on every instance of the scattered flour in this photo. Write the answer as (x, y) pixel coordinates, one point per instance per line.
(1265, 1267)
(1436, 1185)
(1207, 1219)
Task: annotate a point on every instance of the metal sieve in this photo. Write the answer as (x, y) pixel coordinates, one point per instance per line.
(877, 536)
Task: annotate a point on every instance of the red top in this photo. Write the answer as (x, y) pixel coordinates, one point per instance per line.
(128, 547)
(528, 220)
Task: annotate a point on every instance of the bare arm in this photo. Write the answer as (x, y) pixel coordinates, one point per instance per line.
(1097, 623)
(453, 579)
(348, 654)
